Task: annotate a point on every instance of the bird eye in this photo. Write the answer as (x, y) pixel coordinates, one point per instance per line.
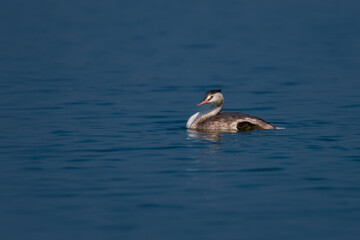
(211, 97)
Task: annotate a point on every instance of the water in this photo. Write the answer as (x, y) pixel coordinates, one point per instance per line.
(94, 98)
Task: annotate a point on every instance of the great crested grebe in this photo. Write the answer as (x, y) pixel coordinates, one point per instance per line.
(213, 120)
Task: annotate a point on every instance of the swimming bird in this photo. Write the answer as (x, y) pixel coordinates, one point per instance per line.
(212, 120)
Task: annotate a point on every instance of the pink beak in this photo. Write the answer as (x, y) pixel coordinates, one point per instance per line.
(203, 102)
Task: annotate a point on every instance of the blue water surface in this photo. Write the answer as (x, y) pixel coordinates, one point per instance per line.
(95, 95)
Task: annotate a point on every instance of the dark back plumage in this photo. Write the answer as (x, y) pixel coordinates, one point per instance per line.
(243, 122)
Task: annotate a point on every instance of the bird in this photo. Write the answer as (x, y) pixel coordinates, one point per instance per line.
(212, 120)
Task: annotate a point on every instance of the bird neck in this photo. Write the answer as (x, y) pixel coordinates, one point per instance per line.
(202, 116)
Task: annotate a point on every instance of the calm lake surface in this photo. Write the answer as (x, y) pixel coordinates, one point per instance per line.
(94, 98)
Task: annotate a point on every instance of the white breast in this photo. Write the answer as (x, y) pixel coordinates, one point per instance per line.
(192, 119)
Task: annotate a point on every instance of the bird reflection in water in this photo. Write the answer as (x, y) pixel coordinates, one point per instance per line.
(212, 136)
(217, 136)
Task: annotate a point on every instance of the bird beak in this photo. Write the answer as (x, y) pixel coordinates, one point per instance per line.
(203, 102)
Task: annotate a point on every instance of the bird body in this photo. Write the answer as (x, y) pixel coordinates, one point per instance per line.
(212, 119)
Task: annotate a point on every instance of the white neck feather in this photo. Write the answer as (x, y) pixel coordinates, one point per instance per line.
(199, 117)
